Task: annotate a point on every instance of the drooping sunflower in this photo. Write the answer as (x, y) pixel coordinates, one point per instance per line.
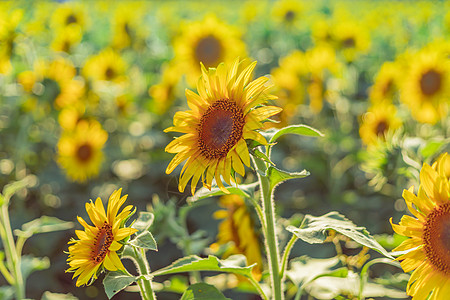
(227, 110)
(429, 255)
(238, 228)
(80, 151)
(206, 42)
(426, 89)
(378, 121)
(97, 245)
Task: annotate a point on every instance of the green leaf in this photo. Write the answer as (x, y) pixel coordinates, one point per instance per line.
(29, 264)
(116, 281)
(235, 264)
(262, 156)
(144, 240)
(203, 291)
(305, 269)
(244, 190)
(274, 134)
(314, 230)
(7, 292)
(42, 225)
(144, 221)
(57, 296)
(277, 176)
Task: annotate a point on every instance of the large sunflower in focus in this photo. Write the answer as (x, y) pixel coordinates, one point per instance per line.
(226, 111)
(207, 41)
(98, 245)
(428, 232)
(80, 151)
(426, 89)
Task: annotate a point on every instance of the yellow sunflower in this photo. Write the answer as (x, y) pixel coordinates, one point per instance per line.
(206, 41)
(238, 228)
(97, 245)
(378, 121)
(9, 21)
(108, 65)
(288, 13)
(426, 89)
(226, 111)
(125, 24)
(70, 14)
(80, 151)
(429, 255)
(66, 38)
(163, 93)
(350, 37)
(386, 82)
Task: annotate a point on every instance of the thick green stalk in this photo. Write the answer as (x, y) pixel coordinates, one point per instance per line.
(270, 237)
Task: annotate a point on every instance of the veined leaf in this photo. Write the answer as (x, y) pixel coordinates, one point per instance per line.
(235, 264)
(144, 221)
(274, 134)
(314, 230)
(244, 190)
(116, 281)
(144, 240)
(203, 291)
(277, 176)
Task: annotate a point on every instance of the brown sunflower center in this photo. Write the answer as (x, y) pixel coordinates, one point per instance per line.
(71, 19)
(109, 73)
(84, 152)
(289, 16)
(208, 51)
(382, 127)
(430, 82)
(220, 128)
(436, 238)
(103, 240)
(387, 88)
(349, 42)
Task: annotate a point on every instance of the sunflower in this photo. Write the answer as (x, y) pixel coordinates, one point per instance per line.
(66, 38)
(108, 65)
(350, 37)
(98, 245)
(426, 89)
(125, 24)
(207, 42)
(69, 14)
(226, 111)
(429, 255)
(288, 12)
(80, 151)
(378, 121)
(238, 228)
(9, 22)
(163, 93)
(386, 82)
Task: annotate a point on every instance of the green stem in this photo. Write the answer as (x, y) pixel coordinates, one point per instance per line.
(11, 254)
(6, 273)
(286, 253)
(144, 269)
(258, 287)
(270, 236)
(259, 212)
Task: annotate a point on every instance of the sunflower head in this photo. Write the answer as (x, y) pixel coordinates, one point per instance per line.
(227, 110)
(428, 232)
(97, 245)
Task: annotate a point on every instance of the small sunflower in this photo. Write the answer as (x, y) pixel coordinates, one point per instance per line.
(350, 37)
(429, 255)
(108, 65)
(238, 228)
(426, 89)
(80, 151)
(163, 93)
(97, 246)
(206, 42)
(227, 110)
(386, 82)
(288, 12)
(125, 24)
(66, 38)
(69, 14)
(378, 121)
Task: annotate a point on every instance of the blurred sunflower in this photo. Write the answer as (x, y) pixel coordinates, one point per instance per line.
(80, 151)
(350, 37)
(386, 82)
(429, 256)
(66, 38)
(125, 24)
(237, 230)
(97, 246)
(378, 121)
(9, 20)
(426, 87)
(69, 117)
(227, 110)
(163, 93)
(108, 65)
(70, 14)
(288, 13)
(206, 41)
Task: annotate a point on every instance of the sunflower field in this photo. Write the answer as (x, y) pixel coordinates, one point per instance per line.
(225, 149)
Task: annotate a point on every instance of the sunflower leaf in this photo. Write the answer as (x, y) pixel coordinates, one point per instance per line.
(202, 291)
(314, 230)
(116, 281)
(144, 240)
(235, 264)
(42, 225)
(273, 134)
(244, 190)
(144, 221)
(29, 264)
(262, 156)
(277, 176)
